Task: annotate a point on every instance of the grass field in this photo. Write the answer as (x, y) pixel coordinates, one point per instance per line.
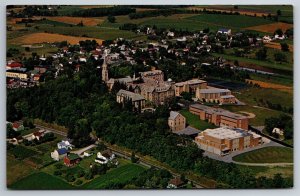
(40, 181)
(194, 121)
(230, 21)
(278, 79)
(249, 95)
(267, 155)
(270, 85)
(22, 152)
(119, 175)
(260, 113)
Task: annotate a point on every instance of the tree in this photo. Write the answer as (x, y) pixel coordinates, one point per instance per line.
(278, 32)
(186, 95)
(11, 133)
(284, 47)
(111, 19)
(278, 12)
(261, 54)
(133, 158)
(279, 56)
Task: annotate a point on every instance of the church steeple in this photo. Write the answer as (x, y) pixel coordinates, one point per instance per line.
(104, 68)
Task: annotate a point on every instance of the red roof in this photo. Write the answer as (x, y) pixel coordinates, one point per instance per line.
(176, 181)
(16, 125)
(15, 64)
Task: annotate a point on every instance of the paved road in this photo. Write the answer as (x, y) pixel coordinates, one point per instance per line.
(52, 130)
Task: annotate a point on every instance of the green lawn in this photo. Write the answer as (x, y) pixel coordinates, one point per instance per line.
(22, 152)
(230, 21)
(40, 181)
(119, 175)
(267, 155)
(194, 121)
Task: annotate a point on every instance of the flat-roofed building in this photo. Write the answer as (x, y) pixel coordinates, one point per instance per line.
(189, 86)
(155, 75)
(138, 101)
(176, 121)
(224, 140)
(19, 74)
(215, 95)
(219, 116)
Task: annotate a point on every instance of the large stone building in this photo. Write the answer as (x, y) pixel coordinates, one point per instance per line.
(222, 96)
(176, 121)
(157, 92)
(224, 140)
(155, 75)
(220, 117)
(137, 100)
(189, 86)
(128, 81)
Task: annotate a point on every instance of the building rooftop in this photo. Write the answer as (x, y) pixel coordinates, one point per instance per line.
(227, 96)
(188, 131)
(131, 95)
(173, 115)
(151, 73)
(218, 111)
(190, 82)
(226, 133)
(214, 90)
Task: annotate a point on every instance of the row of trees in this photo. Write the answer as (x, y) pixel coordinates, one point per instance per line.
(104, 11)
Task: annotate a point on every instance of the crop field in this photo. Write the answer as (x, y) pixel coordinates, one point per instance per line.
(194, 121)
(22, 152)
(271, 28)
(75, 20)
(277, 79)
(35, 38)
(118, 175)
(230, 21)
(40, 181)
(267, 155)
(279, 87)
(15, 170)
(276, 45)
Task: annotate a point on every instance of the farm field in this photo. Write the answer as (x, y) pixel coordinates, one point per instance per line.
(230, 21)
(118, 175)
(278, 79)
(35, 38)
(75, 20)
(276, 45)
(42, 181)
(279, 87)
(267, 155)
(194, 121)
(271, 28)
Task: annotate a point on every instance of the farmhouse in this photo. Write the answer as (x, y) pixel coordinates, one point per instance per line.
(59, 154)
(224, 140)
(176, 121)
(222, 96)
(219, 117)
(189, 86)
(38, 135)
(64, 144)
(175, 183)
(17, 126)
(138, 101)
(224, 31)
(104, 157)
(71, 160)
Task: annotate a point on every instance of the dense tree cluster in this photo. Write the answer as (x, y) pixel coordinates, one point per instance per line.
(284, 122)
(104, 11)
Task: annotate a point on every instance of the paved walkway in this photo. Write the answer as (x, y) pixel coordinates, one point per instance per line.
(228, 158)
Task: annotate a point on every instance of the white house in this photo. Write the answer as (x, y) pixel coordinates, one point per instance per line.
(64, 144)
(59, 154)
(225, 31)
(278, 131)
(38, 135)
(104, 157)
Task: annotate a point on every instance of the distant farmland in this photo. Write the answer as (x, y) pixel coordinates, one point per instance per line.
(270, 28)
(35, 38)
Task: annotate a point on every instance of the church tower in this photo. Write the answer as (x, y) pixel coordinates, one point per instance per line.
(104, 68)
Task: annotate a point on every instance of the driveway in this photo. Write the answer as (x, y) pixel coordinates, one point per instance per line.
(80, 151)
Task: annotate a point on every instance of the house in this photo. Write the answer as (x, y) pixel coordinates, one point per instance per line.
(64, 144)
(13, 65)
(224, 31)
(224, 140)
(71, 160)
(175, 183)
(155, 75)
(278, 131)
(59, 154)
(104, 157)
(38, 134)
(176, 121)
(17, 126)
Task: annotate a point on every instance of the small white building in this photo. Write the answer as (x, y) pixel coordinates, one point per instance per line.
(64, 144)
(104, 157)
(59, 154)
(278, 131)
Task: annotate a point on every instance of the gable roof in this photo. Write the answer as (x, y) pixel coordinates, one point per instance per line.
(173, 115)
(62, 151)
(176, 181)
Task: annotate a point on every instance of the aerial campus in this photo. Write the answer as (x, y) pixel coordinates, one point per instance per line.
(149, 97)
